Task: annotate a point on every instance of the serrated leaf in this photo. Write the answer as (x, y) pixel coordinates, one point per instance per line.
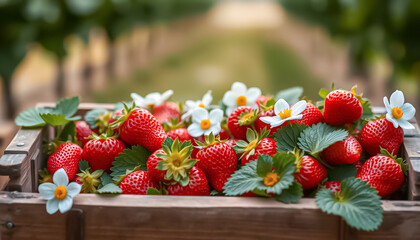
(83, 165)
(105, 179)
(264, 165)
(243, 180)
(287, 137)
(110, 188)
(342, 172)
(129, 159)
(316, 138)
(54, 119)
(153, 191)
(68, 107)
(31, 117)
(291, 195)
(68, 133)
(92, 115)
(357, 203)
(290, 95)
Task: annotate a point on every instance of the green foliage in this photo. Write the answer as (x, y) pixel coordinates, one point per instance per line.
(83, 165)
(287, 137)
(153, 191)
(357, 203)
(92, 115)
(68, 133)
(342, 172)
(291, 195)
(110, 188)
(129, 159)
(105, 179)
(316, 138)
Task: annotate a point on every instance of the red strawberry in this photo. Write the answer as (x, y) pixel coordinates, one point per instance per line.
(232, 143)
(198, 185)
(383, 173)
(342, 107)
(257, 144)
(182, 135)
(249, 194)
(166, 111)
(66, 156)
(261, 100)
(218, 161)
(334, 186)
(101, 151)
(260, 125)
(347, 151)
(138, 127)
(172, 162)
(82, 132)
(117, 114)
(240, 120)
(138, 182)
(309, 172)
(77, 179)
(311, 115)
(381, 133)
(223, 134)
(358, 166)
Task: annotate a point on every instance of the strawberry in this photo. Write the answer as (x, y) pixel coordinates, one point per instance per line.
(261, 100)
(240, 120)
(249, 194)
(89, 181)
(77, 180)
(232, 143)
(309, 172)
(257, 144)
(183, 135)
(138, 182)
(358, 166)
(117, 114)
(334, 186)
(311, 115)
(82, 132)
(384, 173)
(217, 160)
(198, 185)
(223, 134)
(381, 133)
(138, 127)
(172, 162)
(101, 151)
(66, 156)
(342, 107)
(347, 151)
(260, 125)
(166, 111)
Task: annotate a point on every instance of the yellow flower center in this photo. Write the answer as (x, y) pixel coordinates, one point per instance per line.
(285, 113)
(248, 116)
(202, 105)
(270, 179)
(205, 124)
(241, 101)
(60, 192)
(397, 113)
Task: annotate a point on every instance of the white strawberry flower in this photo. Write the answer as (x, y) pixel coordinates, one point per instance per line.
(239, 95)
(399, 112)
(153, 98)
(60, 194)
(205, 123)
(192, 105)
(285, 113)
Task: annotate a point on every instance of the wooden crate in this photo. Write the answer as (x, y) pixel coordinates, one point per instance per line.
(23, 214)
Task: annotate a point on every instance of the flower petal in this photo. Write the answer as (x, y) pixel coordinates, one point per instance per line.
(165, 96)
(195, 130)
(138, 100)
(252, 94)
(216, 116)
(276, 124)
(280, 105)
(294, 117)
(187, 114)
(215, 129)
(299, 107)
(73, 189)
(397, 99)
(52, 206)
(229, 99)
(392, 120)
(387, 106)
(46, 190)
(270, 120)
(189, 104)
(239, 88)
(60, 178)
(408, 110)
(405, 124)
(207, 98)
(199, 114)
(151, 98)
(65, 204)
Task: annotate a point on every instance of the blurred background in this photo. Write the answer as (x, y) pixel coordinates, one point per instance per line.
(102, 50)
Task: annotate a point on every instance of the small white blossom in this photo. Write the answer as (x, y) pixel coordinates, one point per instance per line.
(239, 95)
(285, 113)
(154, 98)
(205, 123)
(192, 105)
(60, 194)
(399, 112)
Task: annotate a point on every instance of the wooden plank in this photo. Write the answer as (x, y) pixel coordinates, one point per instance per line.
(25, 141)
(83, 107)
(10, 164)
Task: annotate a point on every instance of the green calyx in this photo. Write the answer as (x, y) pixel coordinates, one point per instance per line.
(45, 176)
(400, 161)
(176, 160)
(247, 118)
(268, 105)
(209, 140)
(253, 140)
(125, 114)
(90, 181)
(106, 135)
(298, 155)
(102, 121)
(174, 123)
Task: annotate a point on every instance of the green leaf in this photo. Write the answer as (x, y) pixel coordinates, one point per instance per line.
(264, 165)
(243, 180)
(31, 117)
(54, 119)
(68, 107)
(323, 92)
(110, 188)
(92, 115)
(153, 191)
(291, 195)
(316, 138)
(357, 203)
(83, 165)
(214, 192)
(290, 95)
(105, 179)
(129, 159)
(287, 137)
(342, 172)
(68, 133)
